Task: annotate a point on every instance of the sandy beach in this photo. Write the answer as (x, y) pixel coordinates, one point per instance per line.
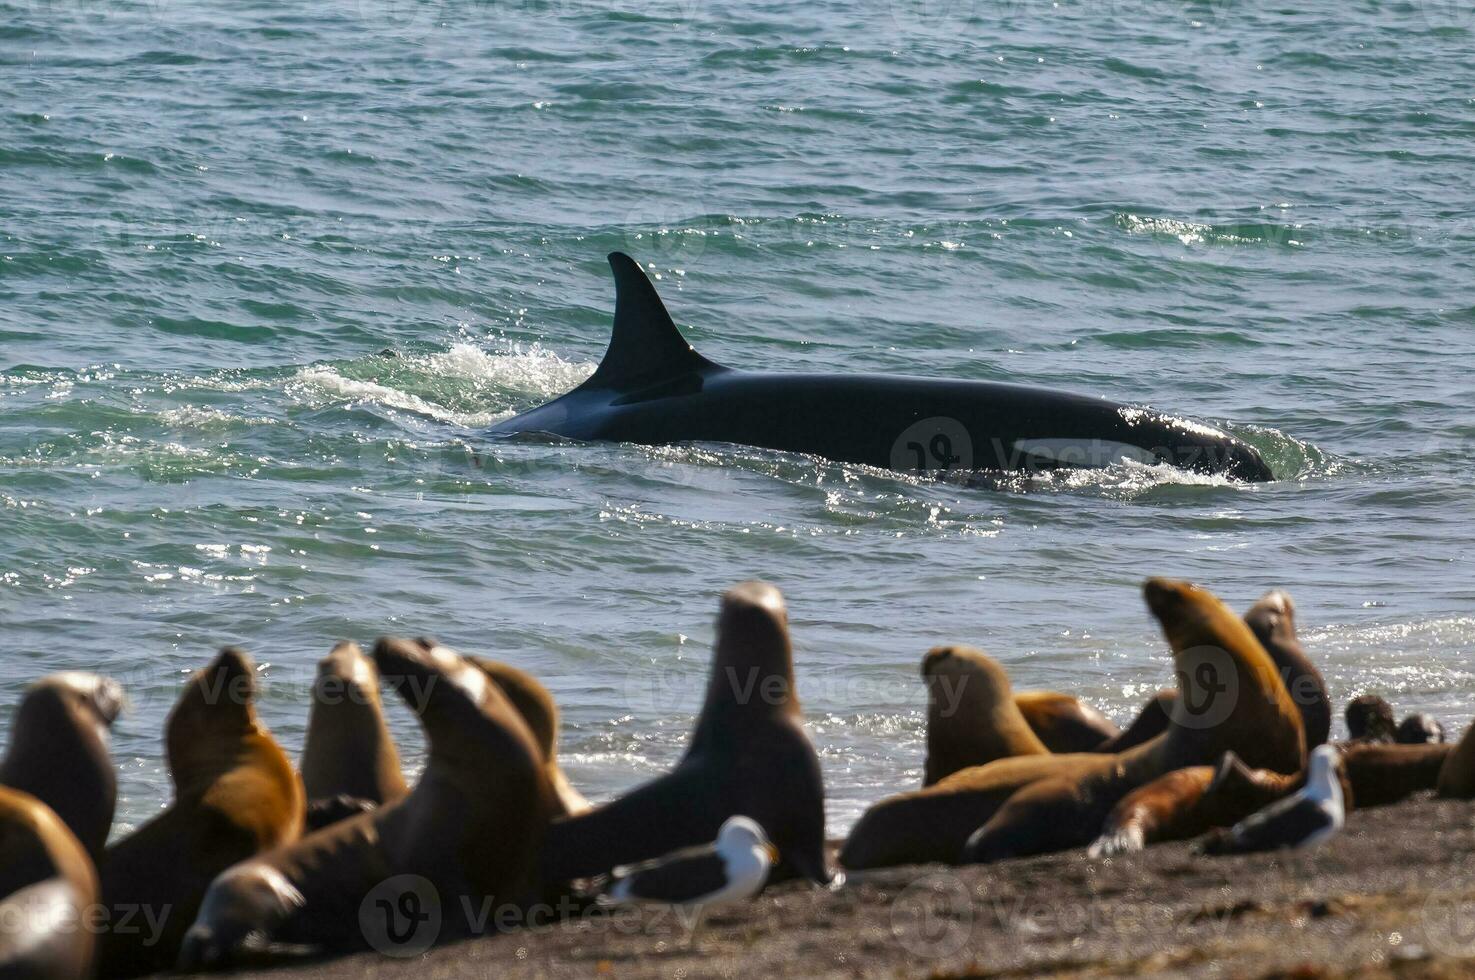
(1394, 894)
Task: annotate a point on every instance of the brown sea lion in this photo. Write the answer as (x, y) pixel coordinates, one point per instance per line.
(1150, 722)
(748, 755)
(466, 838)
(1370, 719)
(349, 751)
(47, 884)
(1419, 730)
(1273, 621)
(1184, 804)
(235, 794)
(540, 711)
(1064, 723)
(1382, 773)
(1457, 773)
(59, 752)
(1231, 699)
(972, 714)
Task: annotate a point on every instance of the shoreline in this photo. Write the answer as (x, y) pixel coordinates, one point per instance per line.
(1394, 893)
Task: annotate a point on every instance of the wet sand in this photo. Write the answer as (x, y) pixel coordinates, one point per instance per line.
(1393, 895)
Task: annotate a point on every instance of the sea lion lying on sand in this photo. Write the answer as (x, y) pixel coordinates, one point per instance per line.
(47, 883)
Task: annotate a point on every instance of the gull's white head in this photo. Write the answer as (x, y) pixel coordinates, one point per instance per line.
(739, 834)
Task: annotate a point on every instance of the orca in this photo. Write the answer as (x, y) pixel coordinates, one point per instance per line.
(653, 388)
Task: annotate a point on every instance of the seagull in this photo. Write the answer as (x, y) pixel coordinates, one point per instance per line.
(1304, 819)
(733, 868)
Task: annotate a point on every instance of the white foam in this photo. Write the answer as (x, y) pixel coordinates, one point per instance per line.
(328, 380)
(529, 371)
(532, 368)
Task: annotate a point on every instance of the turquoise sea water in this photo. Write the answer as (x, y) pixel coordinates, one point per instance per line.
(215, 217)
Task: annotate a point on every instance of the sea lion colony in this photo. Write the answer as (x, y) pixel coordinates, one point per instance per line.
(255, 860)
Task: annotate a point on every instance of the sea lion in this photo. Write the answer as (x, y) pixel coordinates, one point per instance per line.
(59, 752)
(1230, 698)
(348, 751)
(1369, 719)
(748, 755)
(972, 714)
(235, 794)
(1381, 773)
(1457, 774)
(1184, 804)
(540, 711)
(47, 883)
(1419, 730)
(468, 833)
(1064, 723)
(1273, 621)
(1150, 722)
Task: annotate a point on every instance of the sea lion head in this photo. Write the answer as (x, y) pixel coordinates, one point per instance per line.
(753, 663)
(213, 717)
(347, 676)
(1370, 719)
(972, 718)
(83, 702)
(1231, 695)
(241, 907)
(63, 718)
(1419, 730)
(465, 714)
(1274, 614)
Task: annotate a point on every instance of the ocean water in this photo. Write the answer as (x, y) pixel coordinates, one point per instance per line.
(216, 218)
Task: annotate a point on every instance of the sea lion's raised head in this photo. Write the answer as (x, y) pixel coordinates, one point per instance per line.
(347, 676)
(349, 750)
(1231, 696)
(1274, 612)
(972, 718)
(213, 716)
(753, 663)
(87, 702)
(465, 714)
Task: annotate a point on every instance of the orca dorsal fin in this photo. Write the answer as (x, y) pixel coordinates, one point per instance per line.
(644, 346)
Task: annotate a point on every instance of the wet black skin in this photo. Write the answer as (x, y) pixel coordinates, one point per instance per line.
(652, 388)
